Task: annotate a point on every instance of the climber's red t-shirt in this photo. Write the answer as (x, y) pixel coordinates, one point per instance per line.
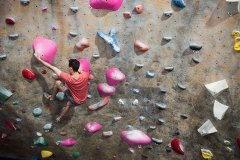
(77, 87)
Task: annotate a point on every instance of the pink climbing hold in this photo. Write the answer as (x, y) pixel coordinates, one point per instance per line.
(84, 65)
(93, 127)
(46, 48)
(28, 74)
(114, 76)
(105, 90)
(177, 146)
(68, 142)
(10, 21)
(135, 138)
(111, 5)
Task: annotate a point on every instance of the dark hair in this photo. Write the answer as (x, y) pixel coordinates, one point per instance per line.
(74, 64)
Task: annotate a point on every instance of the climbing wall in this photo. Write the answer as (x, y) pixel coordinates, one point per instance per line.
(206, 23)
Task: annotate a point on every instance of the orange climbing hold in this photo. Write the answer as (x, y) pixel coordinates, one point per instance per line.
(139, 9)
(127, 14)
(141, 47)
(82, 44)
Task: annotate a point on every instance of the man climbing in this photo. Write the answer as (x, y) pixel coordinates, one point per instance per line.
(76, 88)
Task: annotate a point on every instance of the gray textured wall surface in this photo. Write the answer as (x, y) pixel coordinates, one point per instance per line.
(205, 22)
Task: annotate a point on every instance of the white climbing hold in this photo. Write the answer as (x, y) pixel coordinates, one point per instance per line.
(13, 36)
(167, 38)
(24, 2)
(73, 34)
(150, 74)
(168, 13)
(169, 68)
(39, 134)
(135, 102)
(219, 110)
(181, 86)
(95, 55)
(74, 9)
(107, 133)
(139, 65)
(115, 119)
(216, 87)
(120, 101)
(3, 57)
(160, 105)
(207, 128)
(142, 118)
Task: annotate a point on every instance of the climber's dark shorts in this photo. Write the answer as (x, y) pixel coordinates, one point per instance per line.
(69, 97)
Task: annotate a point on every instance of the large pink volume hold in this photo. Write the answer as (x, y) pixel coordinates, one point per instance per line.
(105, 90)
(111, 5)
(114, 76)
(46, 48)
(68, 142)
(84, 65)
(135, 138)
(93, 127)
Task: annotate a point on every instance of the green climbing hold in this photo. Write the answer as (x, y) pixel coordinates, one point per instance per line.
(37, 112)
(75, 154)
(40, 141)
(5, 94)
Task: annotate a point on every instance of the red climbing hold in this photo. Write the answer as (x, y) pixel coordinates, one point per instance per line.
(45, 9)
(44, 71)
(10, 21)
(4, 138)
(238, 141)
(10, 125)
(28, 74)
(177, 146)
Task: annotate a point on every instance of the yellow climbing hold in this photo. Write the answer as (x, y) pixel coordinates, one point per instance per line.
(207, 154)
(237, 44)
(46, 154)
(235, 34)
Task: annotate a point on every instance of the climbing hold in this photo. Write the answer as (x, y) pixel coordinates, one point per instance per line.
(207, 128)
(13, 36)
(135, 102)
(82, 44)
(167, 38)
(226, 142)
(131, 150)
(107, 134)
(114, 76)
(229, 149)
(4, 138)
(206, 154)
(74, 9)
(139, 65)
(168, 149)
(105, 90)
(161, 106)
(177, 146)
(232, 7)
(84, 65)
(112, 5)
(238, 141)
(47, 127)
(63, 133)
(236, 34)
(168, 13)
(45, 48)
(92, 127)
(75, 154)
(99, 105)
(152, 127)
(127, 14)
(163, 89)
(195, 59)
(40, 141)
(216, 87)
(89, 96)
(169, 68)
(5, 94)
(161, 121)
(37, 112)
(141, 47)
(150, 74)
(139, 9)
(67, 143)
(39, 134)
(73, 34)
(60, 96)
(142, 118)
(46, 154)
(28, 74)
(96, 55)
(179, 3)
(110, 39)
(24, 2)
(219, 110)
(10, 125)
(45, 9)
(10, 21)
(157, 141)
(237, 44)
(135, 138)
(3, 57)
(181, 86)
(195, 46)
(136, 90)
(184, 116)
(43, 71)
(115, 119)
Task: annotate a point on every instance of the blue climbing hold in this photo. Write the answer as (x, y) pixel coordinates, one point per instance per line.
(179, 3)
